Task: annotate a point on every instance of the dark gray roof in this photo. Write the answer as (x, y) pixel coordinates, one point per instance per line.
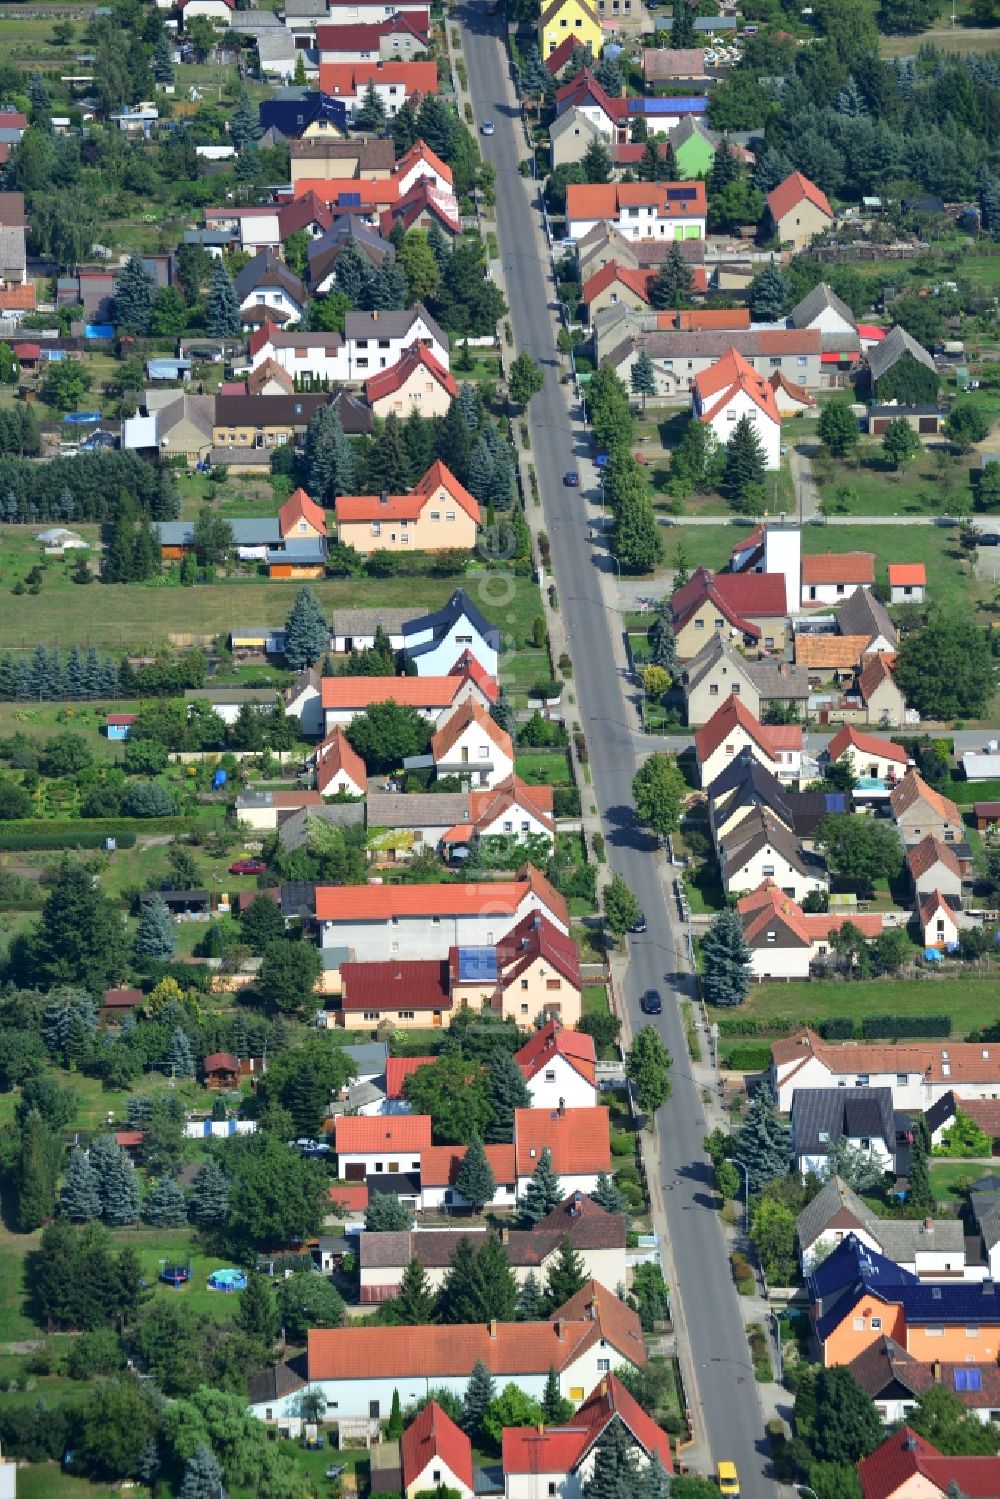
(294, 830)
(760, 829)
(355, 622)
(391, 324)
(772, 679)
(862, 614)
(822, 1116)
(273, 1383)
(369, 1057)
(268, 269)
(441, 621)
(387, 809)
(834, 1197)
(297, 897)
(815, 302)
(897, 342)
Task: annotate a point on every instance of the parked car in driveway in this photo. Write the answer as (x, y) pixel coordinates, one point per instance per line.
(248, 866)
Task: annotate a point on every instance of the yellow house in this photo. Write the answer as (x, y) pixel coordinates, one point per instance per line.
(438, 514)
(565, 18)
(534, 975)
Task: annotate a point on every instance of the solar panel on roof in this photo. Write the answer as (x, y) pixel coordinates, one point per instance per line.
(349, 200)
(968, 1379)
(477, 964)
(681, 194)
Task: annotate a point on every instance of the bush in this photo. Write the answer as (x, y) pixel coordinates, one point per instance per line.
(622, 1144)
(566, 801)
(72, 837)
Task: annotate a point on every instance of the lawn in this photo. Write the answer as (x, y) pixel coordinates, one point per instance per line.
(543, 767)
(120, 617)
(870, 485)
(949, 1179)
(971, 1003)
(44, 720)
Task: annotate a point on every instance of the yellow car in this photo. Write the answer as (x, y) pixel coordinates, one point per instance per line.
(728, 1479)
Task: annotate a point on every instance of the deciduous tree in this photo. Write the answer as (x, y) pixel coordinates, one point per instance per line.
(658, 790)
(647, 1068)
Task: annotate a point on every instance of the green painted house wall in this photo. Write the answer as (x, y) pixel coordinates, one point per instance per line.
(695, 157)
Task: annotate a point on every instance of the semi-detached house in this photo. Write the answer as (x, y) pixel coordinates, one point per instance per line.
(393, 82)
(679, 356)
(733, 728)
(371, 341)
(919, 1073)
(357, 1370)
(751, 606)
(638, 210)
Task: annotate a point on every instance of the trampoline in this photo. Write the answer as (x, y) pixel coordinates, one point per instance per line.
(176, 1275)
(228, 1280)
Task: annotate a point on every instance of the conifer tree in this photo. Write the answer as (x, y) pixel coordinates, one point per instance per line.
(768, 295)
(209, 1200)
(329, 457)
(499, 1285)
(120, 1191)
(614, 1472)
(479, 1393)
(133, 298)
(387, 1214)
(662, 639)
(155, 937)
(244, 125)
(682, 25)
(507, 1091)
(919, 1196)
(180, 1058)
(556, 1409)
(653, 1480)
(745, 460)
(353, 274)
(258, 1314)
(163, 59)
(764, 1142)
(462, 1293)
(503, 715)
(531, 1302)
(475, 1179)
(607, 1195)
(394, 1429)
(567, 1275)
(166, 1205)
(202, 1476)
(222, 311)
(371, 113)
(542, 1194)
(388, 460)
(80, 1198)
(415, 1304)
(36, 1172)
(728, 964)
(307, 634)
(673, 282)
(643, 378)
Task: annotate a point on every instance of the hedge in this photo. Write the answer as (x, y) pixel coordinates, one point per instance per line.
(891, 1027)
(104, 827)
(837, 1028)
(731, 1027)
(749, 1057)
(78, 838)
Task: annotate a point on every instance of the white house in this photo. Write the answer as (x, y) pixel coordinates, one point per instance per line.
(733, 728)
(784, 940)
(831, 577)
(513, 809)
(267, 285)
(730, 390)
(434, 698)
(930, 1248)
(377, 340)
(319, 357)
(638, 210)
(434, 642)
(939, 919)
(578, 1141)
(560, 1067)
(469, 743)
(434, 1452)
(371, 12)
(382, 922)
(421, 164)
(357, 1370)
(303, 701)
(822, 1117)
(907, 582)
(387, 1143)
(918, 1072)
(227, 701)
(821, 308)
(338, 767)
(439, 1168)
(869, 755)
(761, 848)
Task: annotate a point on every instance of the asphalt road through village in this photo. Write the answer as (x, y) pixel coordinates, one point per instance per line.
(712, 1321)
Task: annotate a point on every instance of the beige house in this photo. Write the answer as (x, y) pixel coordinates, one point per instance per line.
(732, 729)
(533, 973)
(720, 670)
(918, 810)
(867, 754)
(798, 211)
(416, 383)
(570, 135)
(439, 514)
(264, 810)
(750, 605)
(325, 160)
(884, 704)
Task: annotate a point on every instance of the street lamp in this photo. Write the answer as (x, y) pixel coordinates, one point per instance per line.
(746, 1176)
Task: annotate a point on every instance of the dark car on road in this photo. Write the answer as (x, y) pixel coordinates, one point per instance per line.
(638, 926)
(651, 1003)
(572, 479)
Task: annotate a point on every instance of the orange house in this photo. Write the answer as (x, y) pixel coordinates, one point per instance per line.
(302, 553)
(439, 514)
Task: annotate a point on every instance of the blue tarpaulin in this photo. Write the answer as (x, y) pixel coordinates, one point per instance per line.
(82, 418)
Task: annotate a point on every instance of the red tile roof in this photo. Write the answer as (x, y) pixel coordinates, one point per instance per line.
(368, 507)
(129, 1137)
(637, 281)
(350, 79)
(380, 902)
(906, 1457)
(398, 1069)
(299, 507)
(729, 377)
(365, 36)
(424, 195)
(552, 1041)
(359, 693)
(413, 359)
(869, 744)
(17, 296)
(578, 1140)
(557, 59)
(605, 200)
(335, 755)
(384, 1134)
(433, 1436)
(439, 1164)
(793, 190)
(122, 999)
(617, 1322)
(444, 741)
(737, 596)
(221, 1061)
(585, 86)
(930, 851)
(913, 788)
(121, 720)
(561, 1449)
(968, 1061)
(417, 984)
(27, 351)
(533, 937)
(469, 667)
(839, 567)
(907, 574)
(420, 154)
(767, 904)
(486, 806)
(733, 714)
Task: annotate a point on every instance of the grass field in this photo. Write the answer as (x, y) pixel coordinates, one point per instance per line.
(876, 489)
(948, 1179)
(972, 1003)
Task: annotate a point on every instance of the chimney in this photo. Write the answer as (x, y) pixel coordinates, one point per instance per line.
(493, 1327)
(562, 1108)
(540, 1428)
(560, 1328)
(782, 669)
(375, 315)
(383, 498)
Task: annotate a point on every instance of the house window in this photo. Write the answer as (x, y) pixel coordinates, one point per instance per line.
(901, 1078)
(437, 1474)
(876, 1324)
(406, 1014)
(859, 1324)
(449, 515)
(524, 1009)
(972, 1332)
(713, 690)
(699, 624)
(371, 1014)
(484, 752)
(603, 1365)
(862, 1080)
(550, 1075)
(772, 936)
(552, 1488)
(435, 515)
(508, 827)
(768, 871)
(933, 1332)
(376, 528)
(524, 983)
(553, 984)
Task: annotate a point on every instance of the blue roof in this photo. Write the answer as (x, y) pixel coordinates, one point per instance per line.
(853, 1261)
(477, 965)
(441, 621)
(292, 116)
(175, 533)
(166, 369)
(695, 106)
(836, 801)
(256, 531)
(303, 553)
(970, 1302)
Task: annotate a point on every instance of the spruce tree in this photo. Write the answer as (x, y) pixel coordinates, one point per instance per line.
(394, 1429)
(307, 634)
(414, 1306)
(728, 961)
(179, 1058)
(503, 715)
(556, 1409)
(662, 639)
(653, 1480)
(202, 1476)
(643, 377)
(371, 113)
(386, 1214)
(682, 25)
(768, 295)
(745, 460)
(155, 937)
(764, 1142)
(166, 1205)
(36, 1172)
(120, 1192)
(531, 1302)
(673, 282)
(615, 1471)
(80, 1198)
(244, 125)
(648, 169)
(475, 1179)
(479, 1393)
(499, 1286)
(329, 457)
(542, 1194)
(133, 299)
(607, 1195)
(725, 168)
(163, 59)
(919, 1197)
(353, 274)
(258, 1314)
(222, 311)
(462, 1294)
(567, 1275)
(388, 460)
(209, 1201)
(507, 1091)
